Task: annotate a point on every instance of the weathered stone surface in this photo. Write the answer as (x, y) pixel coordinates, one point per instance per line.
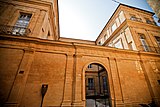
(26, 63)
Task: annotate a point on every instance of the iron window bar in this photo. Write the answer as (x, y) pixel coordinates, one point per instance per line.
(14, 30)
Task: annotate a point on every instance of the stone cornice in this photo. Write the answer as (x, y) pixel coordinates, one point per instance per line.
(75, 48)
(141, 25)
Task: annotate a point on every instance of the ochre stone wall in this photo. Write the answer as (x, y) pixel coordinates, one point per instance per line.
(9, 63)
(45, 70)
(28, 62)
(25, 66)
(43, 17)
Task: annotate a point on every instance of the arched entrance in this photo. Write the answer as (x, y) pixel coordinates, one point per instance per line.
(97, 92)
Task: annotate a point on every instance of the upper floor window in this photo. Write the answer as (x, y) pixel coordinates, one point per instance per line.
(118, 44)
(143, 41)
(121, 16)
(133, 17)
(117, 22)
(105, 37)
(148, 21)
(114, 27)
(23, 20)
(158, 40)
(21, 24)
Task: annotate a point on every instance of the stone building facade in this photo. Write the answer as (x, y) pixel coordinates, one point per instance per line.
(155, 5)
(32, 55)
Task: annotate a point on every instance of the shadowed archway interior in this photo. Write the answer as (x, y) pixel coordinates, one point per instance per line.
(96, 86)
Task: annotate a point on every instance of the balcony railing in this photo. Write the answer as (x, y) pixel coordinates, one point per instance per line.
(14, 30)
(146, 48)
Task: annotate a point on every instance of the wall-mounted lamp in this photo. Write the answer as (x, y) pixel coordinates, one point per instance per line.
(43, 91)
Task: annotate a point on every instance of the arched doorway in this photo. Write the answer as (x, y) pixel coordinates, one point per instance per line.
(97, 92)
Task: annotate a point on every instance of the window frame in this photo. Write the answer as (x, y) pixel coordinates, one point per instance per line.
(23, 19)
(90, 83)
(157, 41)
(21, 24)
(119, 40)
(144, 42)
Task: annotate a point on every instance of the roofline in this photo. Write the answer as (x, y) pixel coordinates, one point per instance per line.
(115, 12)
(76, 39)
(137, 8)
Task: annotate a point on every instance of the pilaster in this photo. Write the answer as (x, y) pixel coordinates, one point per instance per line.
(125, 96)
(18, 87)
(39, 23)
(77, 98)
(67, 98)
(118, 98)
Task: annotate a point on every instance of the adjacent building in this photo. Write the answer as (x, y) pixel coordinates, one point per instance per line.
(155, 5)
(41, 69)
(132, 29)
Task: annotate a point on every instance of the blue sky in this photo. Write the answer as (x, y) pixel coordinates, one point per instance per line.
(84, 19)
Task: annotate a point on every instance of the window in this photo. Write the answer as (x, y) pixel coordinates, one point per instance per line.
(144, 43)
(105, 37)
(114, 27)
(121, 16)
(118, 44)
(118, 22)
(134, 18)
(148, 21)
(90, 66)
(21, 24)
(108, 33)
(158, 40)
(90, 84)
(104, 83)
